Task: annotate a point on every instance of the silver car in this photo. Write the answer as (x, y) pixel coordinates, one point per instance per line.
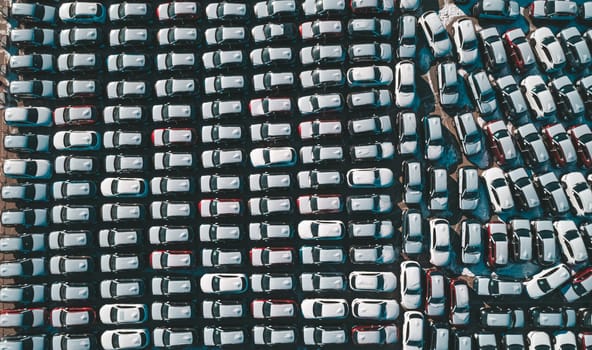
(270, 55)
(270, 106)
(126, 89)
(173, 337)
(274, 8)
(66, 291)
(271, 81)
(370, 178)
(320, 103)
(482, 92)
(171, 210)
(370, 28)
(29, 89)
(411, 289)
(221, 158)
(67, 214)
(272, 157)
(219, 232)
(223, 336)
(319, 128)
(174, 87)
(373, 254)
(323, 335)
(110, 238)
(79, 37)
(27, 267)
(378, 282)
(75, 165)
(171, 161)
(172, 112)
(61, 240)
(523, 189)
(26, 143)
(369, 76)
(76, 88)
(375, 309)
(23, 242)
(576, 50)
(448, 85)
(471, 242)
(271, 32)
(440, 242)
(321, 78)
(221, 257)
(511, 98)
(115, 212)
(225, 11)
(65, 264)
(32, 37)
(171, 311)
(412, 232)
(128, 11)
(222, 309)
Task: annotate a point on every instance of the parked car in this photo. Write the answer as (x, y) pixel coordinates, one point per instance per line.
(436, 35)
(547, 281)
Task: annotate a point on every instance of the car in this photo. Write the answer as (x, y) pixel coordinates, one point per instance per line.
(404, 93)
(584, 87)
(63, 240)
(31, 63)
(547, 281)
(28, 116)
(370, 28)
(217, 232)
(321, 229)
(274, 32)
(408, 135)
(580, 137)
(30, 89)
(521, 240)
(66, 317)
(76, 88)
(319, 129)
(471, 243)
(412, 232)
(269, 206)
(407, 36)
(492, 46)
(370, 178)
(79, 37)
(75, 115)
(174, 87)
(551, 10)
(375, 335)
(321, 255)
(411, 286)
(323, 335)
(221, 84)
(225, 11)
(500, 195)
(574, 46)
(25, 192)
(500, 142)
(126, 37)
(82, 12)
(171, 210)
(171, 259)
(497, 244)
(448, 86)
(370, 52)
(65, 341)
(440, 245)
(273, 157)
(320, 154)
(531, 145)
(73, 189)
(319, 204)
(269, 106)
(222, 309)
(22, 293)
(465, 40)
(173, 337)
(126, 90)
(125, 62)
(272, 56)
(545, 243)
(271, 256)
(496, 10)
(558, 143)
(273, 308)
(571, 242)
(413, 330)
(270, 131)
(468, 188)
(71, 214)
(369, 76)
(177, 11)
(119, 163)
(76, 140)
(436, 35)
(274, 9)
(171, 286)
(435, 297)
(120, 139)
(497, 287)
(369, 99)
(125, 339)
(224, 35)
(173, 161)
(26, 267)
(33, 13)
(32, 37)
(377, 151)
(219, 158)
(24, 218)
(568, 100)
(502, 318)
(272, 81)
(374, 254)
(213, 283)
(219, 207)
(173, 137)
(172, 112)
(66, 265)
(318, 179)
(321, 78)
(170, 234)
(75, 165)
(412, 182)
(116, 212)
(481, 92)
(519, 50)
(433, 136)
(375, 203)
(124, 187)
(119, 262)
(171, 311)
(128, 12)
(438, 188)
(223, 336)
(22, 318)
(511, 98)
(547, 49)
(459, 303)
(176, 61)
(121, 289)
(579, 286)
(544, 317)
(523, 189)
(579, 193)
(123, 114)
(26, 143)
(468, 133)
(216, 183)
(319, 309)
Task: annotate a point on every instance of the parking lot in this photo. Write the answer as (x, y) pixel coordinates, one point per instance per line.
(379, 252)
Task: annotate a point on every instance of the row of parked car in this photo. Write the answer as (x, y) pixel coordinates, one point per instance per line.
(417, 331)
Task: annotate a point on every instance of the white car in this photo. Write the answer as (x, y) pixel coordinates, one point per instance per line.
(220, 257)
(270, 283)
(219, 336)
(220, 133)
(118, 237)
(272, 157)
(440, 245)
(116, 212)
(270, 256)
(547, 49)
(320, 103)
(465, 40)
(375, 335)
(500, 195)
(374, 203)
(218, 232)
(173, 337)
(212, 183)
(27, 267)
(369, 76)
(267, 182)
(321, 229)
(221, 158)
(266, 230)
(320, 54)
(222, 59)
(318, 204)
(28, 116)
(316, 129)
(270, 131)
(323, 335)
(370, 178)
(539, 97)
(27, 168)
(23, 293)
(121, 288)
(171, 311)
(411, 290)
(171, 259)
(377, 151)
(64, 264)
(317, 255)
(119, 314)
(547, 281)
(320, 154)
(219, 207)
(377, 282)
(125, 339)
(579, 193)
(119, 262)
(124, 187)
(435, 33)
(322, 282)
(22, 243)
(413, 331)
(22, 318)
(375, 309)
(571, 242)
(318, 179)
(269, 206)
(270, 309)
(405, 84)
(323, 309)
(222, 309)
(320, 28)
(223, 283)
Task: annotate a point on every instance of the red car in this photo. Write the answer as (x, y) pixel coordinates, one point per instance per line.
(581, 137)
(558, 144)
(500, 142)
(497, 244)
(65, 317)
(519, 50)
(273, 308)
(166, 137)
